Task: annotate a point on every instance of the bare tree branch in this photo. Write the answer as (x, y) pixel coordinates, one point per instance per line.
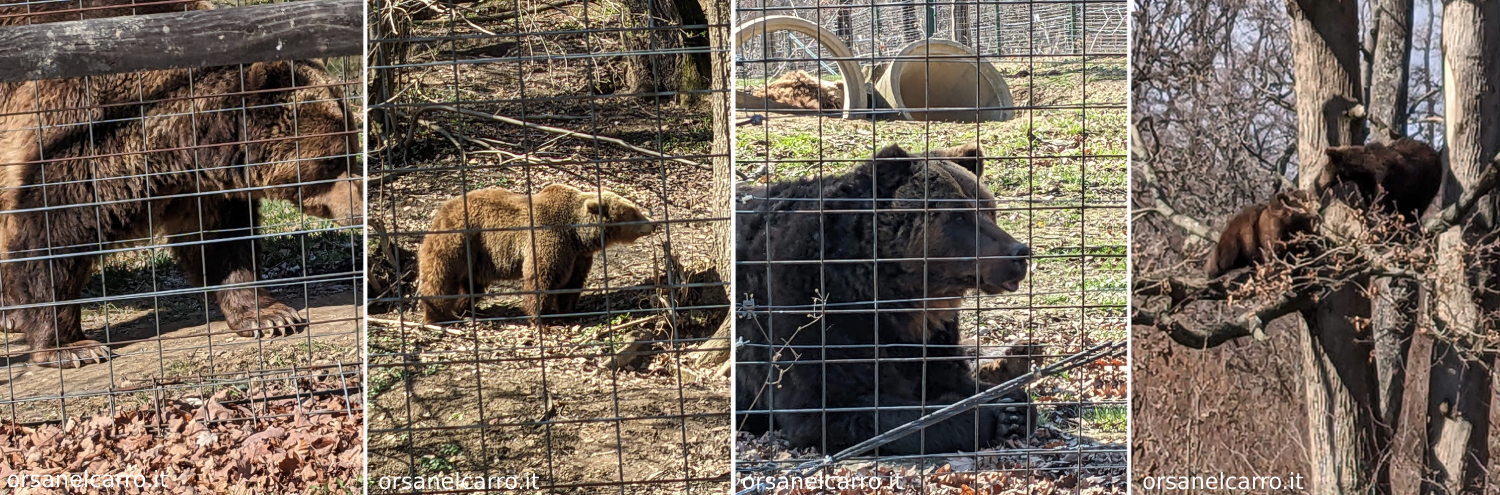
(1450, 216)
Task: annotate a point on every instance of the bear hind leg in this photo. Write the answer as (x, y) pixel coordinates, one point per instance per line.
(54, 334)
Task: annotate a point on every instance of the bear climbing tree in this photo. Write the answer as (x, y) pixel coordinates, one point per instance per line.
(1415, 423)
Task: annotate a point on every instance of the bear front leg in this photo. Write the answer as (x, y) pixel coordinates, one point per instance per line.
(53, 333)
(568, 302)
(250, 312)
(444, 265)
(538, 276)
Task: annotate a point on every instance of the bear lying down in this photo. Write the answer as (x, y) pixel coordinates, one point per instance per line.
(188, 168)
(810, 372)
(486, 236)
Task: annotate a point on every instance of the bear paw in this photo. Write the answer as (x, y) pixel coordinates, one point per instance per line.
(73, 355)
(274, 320)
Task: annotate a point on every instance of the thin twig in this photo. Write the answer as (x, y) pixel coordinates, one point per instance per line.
(413, 324)
(505, 16)
(557, 130)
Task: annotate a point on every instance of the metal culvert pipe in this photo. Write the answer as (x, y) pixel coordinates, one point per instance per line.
(854, 88)
(950, 79)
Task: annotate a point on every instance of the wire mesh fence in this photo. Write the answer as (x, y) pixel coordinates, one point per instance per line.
(546, 251)
(179, 244)
(882, 29)
(930, 246)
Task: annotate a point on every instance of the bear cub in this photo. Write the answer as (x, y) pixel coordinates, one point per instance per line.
(498, 242)
(1407, 171)
(1254, 233)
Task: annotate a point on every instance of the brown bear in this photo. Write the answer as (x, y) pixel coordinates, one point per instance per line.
(486, 236)
(1408, 172)
(1260, 230)
(802, 90)
(811, 259)
(186, 156)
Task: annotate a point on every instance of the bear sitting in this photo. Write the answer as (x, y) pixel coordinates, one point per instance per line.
(1408, 172)
(1260, 230)
(823, 243)
(486, 236)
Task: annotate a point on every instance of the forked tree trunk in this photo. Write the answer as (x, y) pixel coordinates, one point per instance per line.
(1460, 398)
(1338, 378)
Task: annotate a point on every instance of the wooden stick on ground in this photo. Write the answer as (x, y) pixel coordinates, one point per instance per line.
(413, 324)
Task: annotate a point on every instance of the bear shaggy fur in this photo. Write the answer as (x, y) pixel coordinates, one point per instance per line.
(1260, 230)
(928, 209)
(496, 242)
(111, 161)
(1408, 172)
(802, 90)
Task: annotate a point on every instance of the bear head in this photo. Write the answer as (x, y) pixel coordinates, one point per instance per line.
(1348, 164)
(1295, 211)
(940, 221)
(304, 137)
(623, 221)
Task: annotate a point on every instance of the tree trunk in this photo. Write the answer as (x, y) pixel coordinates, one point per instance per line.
(1338, 379)
(1390, 324)
(668, 72)
(961, 26)
(1392, 61)
(1459, 402)
(717, 13)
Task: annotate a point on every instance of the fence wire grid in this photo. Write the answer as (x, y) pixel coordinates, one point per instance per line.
(136, 210)
(930, 201)
(546, 246)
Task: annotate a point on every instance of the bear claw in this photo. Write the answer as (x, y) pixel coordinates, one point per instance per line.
(74, 355)
(276, 320)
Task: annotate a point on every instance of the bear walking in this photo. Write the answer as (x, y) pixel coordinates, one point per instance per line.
(1257, 231)
(1408, 172)
(88, 165)
(814, 244)
(548, 240)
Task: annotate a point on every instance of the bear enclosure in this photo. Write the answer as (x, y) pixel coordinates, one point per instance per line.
(590, 116)
(182, 241)
(1040, 90)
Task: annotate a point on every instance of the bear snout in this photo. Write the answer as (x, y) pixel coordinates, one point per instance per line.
(1005, 274)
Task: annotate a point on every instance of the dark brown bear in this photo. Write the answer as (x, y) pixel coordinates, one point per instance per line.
(85, 167)
(802, 90)
(496, 241)
(1262, 229)
(1408, 172)
(936, 223)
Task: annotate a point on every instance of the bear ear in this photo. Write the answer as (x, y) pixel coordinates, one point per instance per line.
(593, 206)
(892, 167)
(268, 75)
(967, 156)
(892, 151)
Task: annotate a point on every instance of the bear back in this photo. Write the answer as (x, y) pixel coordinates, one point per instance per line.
(1408, 172)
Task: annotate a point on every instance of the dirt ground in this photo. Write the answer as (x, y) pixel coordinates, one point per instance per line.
(493, 396)
(186, 356)
(1060, 171)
